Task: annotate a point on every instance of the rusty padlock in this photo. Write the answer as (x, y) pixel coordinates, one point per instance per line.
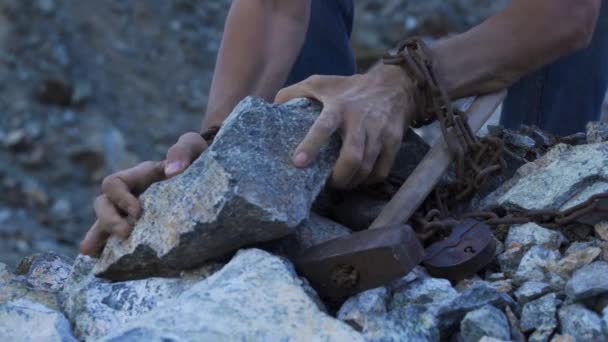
(468, 249)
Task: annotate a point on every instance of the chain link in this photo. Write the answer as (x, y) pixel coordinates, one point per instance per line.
(476, 159)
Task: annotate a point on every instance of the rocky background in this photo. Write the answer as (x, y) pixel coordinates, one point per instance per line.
(91, 87)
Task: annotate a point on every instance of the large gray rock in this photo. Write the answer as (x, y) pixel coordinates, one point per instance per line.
(486, 321)
(244, 189)
(564, 177)
(581, 323)
(540, 314)
(256, 296)
(589, 281)
(449, 313)
(24, 320)
(531, 234)
(531, 290)
(97, 307)
(22, 287)
(534, 264)
(408, 323)
(574, 260)
(423, 291)
(597, 132)
(357, 310)
(45, 271)
(509, 260)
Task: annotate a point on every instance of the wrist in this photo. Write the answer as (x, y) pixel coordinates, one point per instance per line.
(416, 60)
(396, 83)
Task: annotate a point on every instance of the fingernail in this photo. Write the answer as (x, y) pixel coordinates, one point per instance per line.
(173, 168)
(301, 159)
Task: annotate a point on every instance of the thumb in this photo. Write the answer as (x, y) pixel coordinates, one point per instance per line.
(180, 156)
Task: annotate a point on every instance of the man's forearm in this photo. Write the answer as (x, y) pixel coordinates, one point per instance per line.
(522, 38)
(262, 39)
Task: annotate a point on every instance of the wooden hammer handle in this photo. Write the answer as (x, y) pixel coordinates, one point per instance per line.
(427, 174)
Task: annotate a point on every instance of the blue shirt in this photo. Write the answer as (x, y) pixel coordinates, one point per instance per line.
(327, 49)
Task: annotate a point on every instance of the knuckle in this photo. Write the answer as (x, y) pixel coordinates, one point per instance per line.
(328, 122)
(108, 182)
(382, 174)
(352, 157)
(148, 165)
(366, 168)
(314, 79)
(123, 203)
(100, 201)
(191, 138)
(175, 150)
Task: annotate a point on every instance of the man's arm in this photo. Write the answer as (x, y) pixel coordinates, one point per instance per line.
(525, 36)
(262, 39)
(371, 111)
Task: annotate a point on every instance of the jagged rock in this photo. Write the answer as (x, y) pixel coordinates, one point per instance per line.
(13, 288)
(519, 144)
(605, 319)
(358, 309)
(574, 261)
(540, 335)
(581, 323)
(564, 177)
(496, 276)
(481, 294)
(534, 264)
(97, 307)
(408, 323)
(486, 321)
(531, 234)
(505, 286)
(24, 320)
(523, 237)
(601, 230)
(468, 283)
(540, 314)
(597, 132)
(45, 271)
(589, 281)
(531, 290)
(423, 291)
(5, 274)
(516, 334)
(417, 273)
(509, 260)
(313, 231)
(242, 190)
(581, 245)
(563, 338)
(255, 295)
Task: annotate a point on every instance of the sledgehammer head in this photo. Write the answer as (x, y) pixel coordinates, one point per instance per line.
(364, 260)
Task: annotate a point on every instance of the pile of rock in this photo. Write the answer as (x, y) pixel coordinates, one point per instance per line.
(544, 285)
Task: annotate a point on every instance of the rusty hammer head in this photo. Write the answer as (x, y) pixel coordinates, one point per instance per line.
(344, 266)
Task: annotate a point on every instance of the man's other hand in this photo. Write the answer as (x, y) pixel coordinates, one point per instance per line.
(117, 208)
(369, 111)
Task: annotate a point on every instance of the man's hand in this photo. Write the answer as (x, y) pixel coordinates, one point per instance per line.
(370, 111)
(117, 208)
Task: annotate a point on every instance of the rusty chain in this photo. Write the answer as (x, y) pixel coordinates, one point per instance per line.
(476, 158)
